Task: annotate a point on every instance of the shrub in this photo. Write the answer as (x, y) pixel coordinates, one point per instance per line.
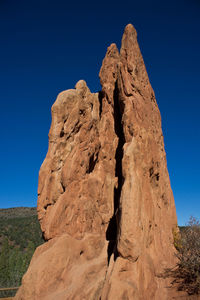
(187, 273)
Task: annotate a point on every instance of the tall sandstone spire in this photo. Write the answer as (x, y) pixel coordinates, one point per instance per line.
(105, 204)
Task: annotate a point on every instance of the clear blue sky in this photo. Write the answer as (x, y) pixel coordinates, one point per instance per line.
(47, 46)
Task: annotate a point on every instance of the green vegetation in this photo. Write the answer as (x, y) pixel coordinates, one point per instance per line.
(187, 272)
(20, 234)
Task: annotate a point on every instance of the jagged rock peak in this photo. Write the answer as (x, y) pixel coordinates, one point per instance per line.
(130, 35)
(105, 203)
(82, 89)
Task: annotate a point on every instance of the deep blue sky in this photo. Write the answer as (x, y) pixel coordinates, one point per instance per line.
(47, 46)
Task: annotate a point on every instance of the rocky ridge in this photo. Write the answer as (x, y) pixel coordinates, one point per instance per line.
(105, 204)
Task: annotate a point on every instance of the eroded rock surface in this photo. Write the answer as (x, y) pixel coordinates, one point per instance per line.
(105, 203)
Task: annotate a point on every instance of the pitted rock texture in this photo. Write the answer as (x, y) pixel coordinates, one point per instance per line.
(105, 203)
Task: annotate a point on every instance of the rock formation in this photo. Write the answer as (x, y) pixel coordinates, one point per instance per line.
(105, 203)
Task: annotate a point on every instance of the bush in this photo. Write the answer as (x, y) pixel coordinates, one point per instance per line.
(187, 273)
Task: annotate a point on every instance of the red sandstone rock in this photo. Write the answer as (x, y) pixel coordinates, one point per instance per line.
(105, 203)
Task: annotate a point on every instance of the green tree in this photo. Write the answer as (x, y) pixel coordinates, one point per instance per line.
(13, 272)
(4, 263)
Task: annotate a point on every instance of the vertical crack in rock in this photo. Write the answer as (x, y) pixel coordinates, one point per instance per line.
(112, 230)
(100, 103)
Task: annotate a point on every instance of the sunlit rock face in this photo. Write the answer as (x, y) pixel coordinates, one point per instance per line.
(105, 203)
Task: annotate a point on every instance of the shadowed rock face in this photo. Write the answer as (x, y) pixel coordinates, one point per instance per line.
(105, 203)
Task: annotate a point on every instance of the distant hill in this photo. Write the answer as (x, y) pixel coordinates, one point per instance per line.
(17, 212)
(20, 226)
(20, 235)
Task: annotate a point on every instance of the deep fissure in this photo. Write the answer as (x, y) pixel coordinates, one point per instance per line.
(101, 95)
(112, 230)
